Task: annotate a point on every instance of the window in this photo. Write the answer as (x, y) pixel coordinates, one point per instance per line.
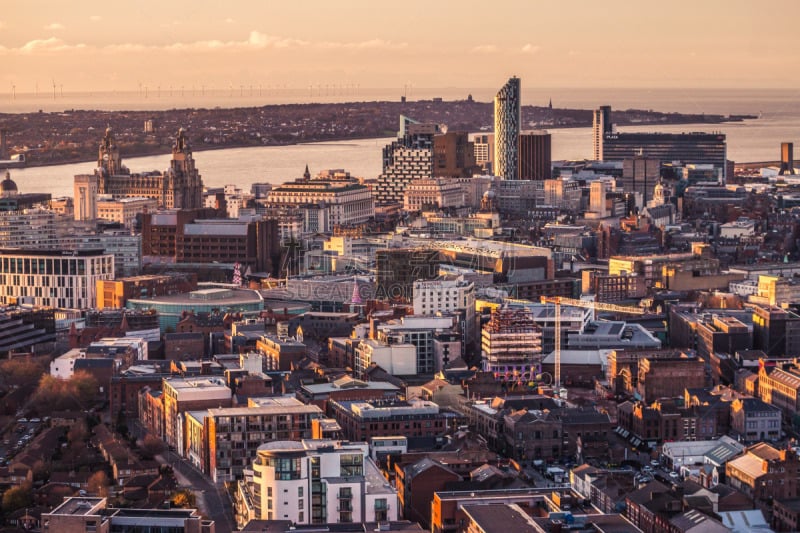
(299, 492)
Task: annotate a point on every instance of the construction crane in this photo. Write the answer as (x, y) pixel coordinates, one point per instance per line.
(558, 301)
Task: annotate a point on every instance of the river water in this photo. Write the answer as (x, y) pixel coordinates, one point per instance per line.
(751, 140)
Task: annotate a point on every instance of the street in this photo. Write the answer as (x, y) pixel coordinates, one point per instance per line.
(212, 501)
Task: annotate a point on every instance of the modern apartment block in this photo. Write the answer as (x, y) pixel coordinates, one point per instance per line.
(315, 482)
(53, 278)
(507, 125)
(408, 158)
(222, 442)
(185, 394)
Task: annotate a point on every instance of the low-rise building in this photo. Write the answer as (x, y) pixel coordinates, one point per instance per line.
(753, 420)
(363, 420)
(765, 473)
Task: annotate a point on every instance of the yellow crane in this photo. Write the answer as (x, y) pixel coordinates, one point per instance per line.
(558, 301)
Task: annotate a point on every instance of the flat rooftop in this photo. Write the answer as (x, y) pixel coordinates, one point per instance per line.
(80, 506)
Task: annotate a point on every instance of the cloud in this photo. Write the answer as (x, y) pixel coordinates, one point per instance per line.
(2, 24)
(54, 26)
(53, 44)
(95, 18)
(229, 20)
(484, 49)
(254, 41)
(531, 48)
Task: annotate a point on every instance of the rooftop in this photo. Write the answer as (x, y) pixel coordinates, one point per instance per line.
(500, 518)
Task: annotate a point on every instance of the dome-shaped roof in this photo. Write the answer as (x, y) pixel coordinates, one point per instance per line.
(489, 194)
(8, 185)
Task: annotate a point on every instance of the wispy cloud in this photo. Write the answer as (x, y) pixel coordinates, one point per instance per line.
(95, 18)
(53, 44)
(254, 41)
(485, 49)
(229, 20)
(531, 48)
(54, 26)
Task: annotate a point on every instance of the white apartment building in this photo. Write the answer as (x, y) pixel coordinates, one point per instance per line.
(443, 296)
(315, 482)
(53, 278)
(396, 359)
(348, 202)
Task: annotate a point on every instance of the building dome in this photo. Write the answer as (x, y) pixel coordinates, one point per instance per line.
(8, 187)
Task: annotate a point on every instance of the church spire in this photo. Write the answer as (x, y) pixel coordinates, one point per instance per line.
(306, 174)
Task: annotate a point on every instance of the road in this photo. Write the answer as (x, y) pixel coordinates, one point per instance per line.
(215, 503)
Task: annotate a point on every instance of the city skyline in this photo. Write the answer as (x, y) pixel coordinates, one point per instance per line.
(82, 46)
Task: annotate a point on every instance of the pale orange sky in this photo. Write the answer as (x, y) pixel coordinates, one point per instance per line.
(118, 45)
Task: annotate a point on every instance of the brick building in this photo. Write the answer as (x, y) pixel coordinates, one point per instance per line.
(362, 420)
(765, 473)
(668, 377)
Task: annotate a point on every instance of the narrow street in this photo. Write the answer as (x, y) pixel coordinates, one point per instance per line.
(212, 501)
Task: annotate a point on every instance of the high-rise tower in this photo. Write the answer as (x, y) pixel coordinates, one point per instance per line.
(601, 124)
(507, 120)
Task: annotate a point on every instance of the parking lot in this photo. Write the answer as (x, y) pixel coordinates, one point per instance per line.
(17, 437)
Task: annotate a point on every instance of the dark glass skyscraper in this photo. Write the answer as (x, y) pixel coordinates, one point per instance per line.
(507, 120)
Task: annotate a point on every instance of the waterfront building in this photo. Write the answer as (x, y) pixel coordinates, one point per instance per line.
(178, 187)
(53, 278)
(535, 156)
(601, 126)
(507, 124)
(408, 158)
(315, 482)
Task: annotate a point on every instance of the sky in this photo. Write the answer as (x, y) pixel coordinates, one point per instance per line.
(123, 45)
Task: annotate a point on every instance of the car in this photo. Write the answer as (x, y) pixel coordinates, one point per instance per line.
(23, 420)
(674, 475)
(35, 420)
(654, 463)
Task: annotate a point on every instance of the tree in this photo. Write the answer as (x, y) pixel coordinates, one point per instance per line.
(98, 483)
(151, 446)
(17, 498)
(23, 371)
(183, 498)
(78, 433)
